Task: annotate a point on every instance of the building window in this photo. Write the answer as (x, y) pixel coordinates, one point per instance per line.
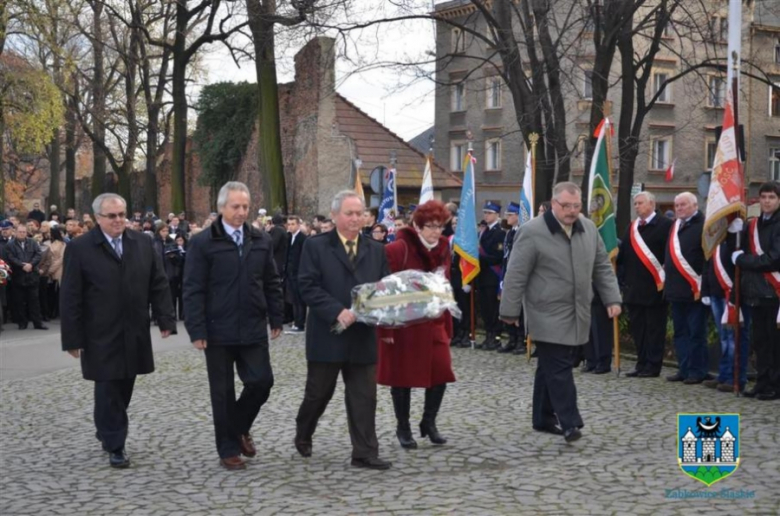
(493, 97)
(661, 152)
(458, 41)
(774, 163)
(774, 99)
(459, 97)
(587, 86)
(777, 51)
(457, 155)
(712, 148)
(719, 28)
(493, 155)
(659, 85)
(717, 96)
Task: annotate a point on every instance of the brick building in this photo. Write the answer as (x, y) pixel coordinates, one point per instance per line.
(681, 126)
(323, 135)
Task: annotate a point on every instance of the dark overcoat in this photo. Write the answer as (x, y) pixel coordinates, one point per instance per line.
(230, 298)
(418, 355)
(638, 285)
(491, 256)
(326, 278)
(104, 304)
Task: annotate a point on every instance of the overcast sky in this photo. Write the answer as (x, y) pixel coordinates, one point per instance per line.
(407, 111)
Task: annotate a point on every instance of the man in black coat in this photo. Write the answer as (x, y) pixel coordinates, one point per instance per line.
(23, 254)
(110, 277)
(231, 293)
(36, 214)
(641, 274)
(491, 256)
(294, 249)
(683, 266)
(761, 290)
(280, 242)
(331, 265)
(516, 333)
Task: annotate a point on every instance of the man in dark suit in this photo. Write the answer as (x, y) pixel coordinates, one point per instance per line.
(516, 333)
(331, 265)
(491, 256)
(297, 238)
(641, 274)
(231, 293)
(683, 266)
(280, 242)
(36, 214)
(110, 277)
(23, 254)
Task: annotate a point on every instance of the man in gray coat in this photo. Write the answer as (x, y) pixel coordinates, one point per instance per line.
(557, 258)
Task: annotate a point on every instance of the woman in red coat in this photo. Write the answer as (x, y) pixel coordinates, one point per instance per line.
(418, 355)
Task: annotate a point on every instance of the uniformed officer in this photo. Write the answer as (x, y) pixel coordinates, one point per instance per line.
(491, 257)
(512, 217)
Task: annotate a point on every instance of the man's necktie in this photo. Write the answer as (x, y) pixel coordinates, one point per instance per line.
(237, 238)
(351, 253)
(117, 243)
(642, 222)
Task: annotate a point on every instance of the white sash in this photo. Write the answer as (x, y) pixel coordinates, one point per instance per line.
(647, 257)
(682, 265)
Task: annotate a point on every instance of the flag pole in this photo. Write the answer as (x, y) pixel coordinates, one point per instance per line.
(534, 139)
(615, 325)
(473, 319)
(737, 289)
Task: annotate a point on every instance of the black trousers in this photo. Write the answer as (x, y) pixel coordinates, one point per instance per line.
(26, 303)
(234, 417)
(647, 325)
(464, 303)
(176, 297)
(360, 399)
(299, 307)
(766, 343)
(53, 292)
(554, 391)
(488, 305)
(598, 350)
(112, 398)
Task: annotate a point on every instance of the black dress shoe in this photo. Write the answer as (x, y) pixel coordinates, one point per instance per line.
(602, 370)
(23, 326)
(572, 434)
(507, 349)
(768, 395)
(693, 381)
(41, 327)
(118, 459)
(520, 350)
(676, 377)
(371, 463)
(551, 429)
(303, 448)
(633, 374)
(647, 374)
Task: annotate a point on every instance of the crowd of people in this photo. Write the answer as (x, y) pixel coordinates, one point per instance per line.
(548, 281)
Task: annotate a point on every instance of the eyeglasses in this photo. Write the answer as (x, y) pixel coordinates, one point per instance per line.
(113, 216)
(569, 205)
(433, 227)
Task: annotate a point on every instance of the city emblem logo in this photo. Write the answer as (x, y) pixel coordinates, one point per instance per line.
(708, 445)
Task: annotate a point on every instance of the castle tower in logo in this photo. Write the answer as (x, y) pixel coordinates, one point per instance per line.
(708, 445)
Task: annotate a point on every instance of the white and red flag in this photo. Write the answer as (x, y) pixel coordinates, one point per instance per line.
(726, 199)
(670, 172)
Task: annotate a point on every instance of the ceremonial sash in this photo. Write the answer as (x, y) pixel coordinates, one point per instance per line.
(730, 313)
(647, 257)
(681, 264)
(755, 246)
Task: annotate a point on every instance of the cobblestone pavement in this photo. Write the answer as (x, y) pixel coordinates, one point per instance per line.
(493, 464)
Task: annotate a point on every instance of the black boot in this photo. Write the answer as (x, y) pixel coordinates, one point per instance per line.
(465, 340)
(511, 345)
(402, 399)
(433, 397)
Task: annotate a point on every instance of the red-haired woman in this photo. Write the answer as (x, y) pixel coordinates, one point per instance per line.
(418, 355)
